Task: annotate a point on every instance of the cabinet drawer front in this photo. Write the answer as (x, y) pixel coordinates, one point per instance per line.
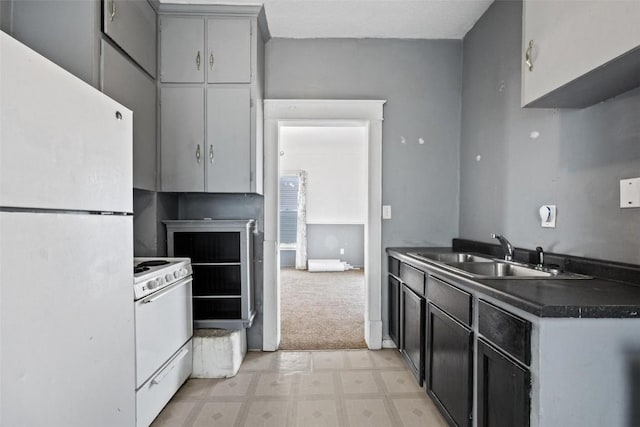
(394, 266)
(413, 278)
(454, 301)
(505, 330)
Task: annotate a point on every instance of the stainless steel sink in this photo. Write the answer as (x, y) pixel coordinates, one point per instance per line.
(500, 269)
(450, 257)
(509, 270)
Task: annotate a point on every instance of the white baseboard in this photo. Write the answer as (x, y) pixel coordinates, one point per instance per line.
(388, 343)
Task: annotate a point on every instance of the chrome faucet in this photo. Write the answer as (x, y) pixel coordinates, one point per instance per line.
(507, 247)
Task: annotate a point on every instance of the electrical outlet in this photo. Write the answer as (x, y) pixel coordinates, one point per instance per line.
(341, 251)
(630, 193)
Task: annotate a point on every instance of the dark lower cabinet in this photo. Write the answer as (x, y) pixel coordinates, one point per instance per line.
(412, 331)
(394, 310)
(449, 366)
(503, 390)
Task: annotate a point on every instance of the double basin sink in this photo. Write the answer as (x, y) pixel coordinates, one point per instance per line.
(487, 268)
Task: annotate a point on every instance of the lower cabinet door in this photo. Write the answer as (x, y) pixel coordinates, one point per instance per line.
(449, 366)
(503, 390)
(394, 310)
(412, 330)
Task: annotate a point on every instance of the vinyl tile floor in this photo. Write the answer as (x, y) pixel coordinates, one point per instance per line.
(349, 388)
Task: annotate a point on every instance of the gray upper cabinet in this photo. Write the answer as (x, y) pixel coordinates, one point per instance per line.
(182, 53)
(223, 163)
(211, 85)
(182, 149)
(578, 53)
(131, 24)
(129, 85)
(228, 167)
(229, 50)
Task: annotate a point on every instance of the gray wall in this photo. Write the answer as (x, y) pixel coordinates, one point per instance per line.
(576, 162)
(325, 240)
(234, 206)
(420, 79)
(149, 233)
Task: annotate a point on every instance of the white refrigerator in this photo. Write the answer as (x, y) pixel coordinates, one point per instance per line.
(66, 251)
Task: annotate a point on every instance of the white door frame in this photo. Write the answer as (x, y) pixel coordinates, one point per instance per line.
(325, 112)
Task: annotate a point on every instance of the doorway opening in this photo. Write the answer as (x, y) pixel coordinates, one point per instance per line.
(280, 114)
(323, 215)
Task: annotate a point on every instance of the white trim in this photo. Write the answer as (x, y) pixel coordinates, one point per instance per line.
(388, 343)
(325, 112)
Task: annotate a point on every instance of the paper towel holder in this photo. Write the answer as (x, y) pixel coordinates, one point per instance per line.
(547, 216)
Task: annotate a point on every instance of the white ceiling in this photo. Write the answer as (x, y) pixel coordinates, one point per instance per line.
(403, 19)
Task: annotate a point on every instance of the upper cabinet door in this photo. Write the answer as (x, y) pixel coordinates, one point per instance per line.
(566, 45)
(182, 131)
(131, 24)
(229, 50)
(129, 85)
(228, 140)
(182, 55)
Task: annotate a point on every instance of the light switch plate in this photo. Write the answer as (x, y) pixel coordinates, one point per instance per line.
(386, 211)
(630, 193)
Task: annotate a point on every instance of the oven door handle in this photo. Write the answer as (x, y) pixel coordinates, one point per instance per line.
(163, 374)
(156, 296)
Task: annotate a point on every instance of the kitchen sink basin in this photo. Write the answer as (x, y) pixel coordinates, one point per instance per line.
(508, 270)
(500, 269)
(450, 257)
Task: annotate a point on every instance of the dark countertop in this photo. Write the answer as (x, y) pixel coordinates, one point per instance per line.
(576, 298)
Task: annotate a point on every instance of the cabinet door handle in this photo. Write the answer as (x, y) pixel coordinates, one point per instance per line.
(527, 56)
(113, 10)
(198, 153)
(198, 61)
(211, 153)
(211, 60)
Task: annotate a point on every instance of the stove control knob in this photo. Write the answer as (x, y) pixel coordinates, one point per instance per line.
(160, 281)
(152, 284)
(168, 277)
(176, 274)
(183, 272)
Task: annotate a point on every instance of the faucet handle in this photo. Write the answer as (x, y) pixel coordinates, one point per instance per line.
(540, 253)
(494, 235)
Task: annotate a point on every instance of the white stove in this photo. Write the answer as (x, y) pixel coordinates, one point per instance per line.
(163, 331)
(152, 274)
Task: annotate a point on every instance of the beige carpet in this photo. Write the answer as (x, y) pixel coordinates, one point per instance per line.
(321, 311)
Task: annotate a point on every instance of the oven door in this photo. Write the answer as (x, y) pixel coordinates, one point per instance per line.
(164, 323)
